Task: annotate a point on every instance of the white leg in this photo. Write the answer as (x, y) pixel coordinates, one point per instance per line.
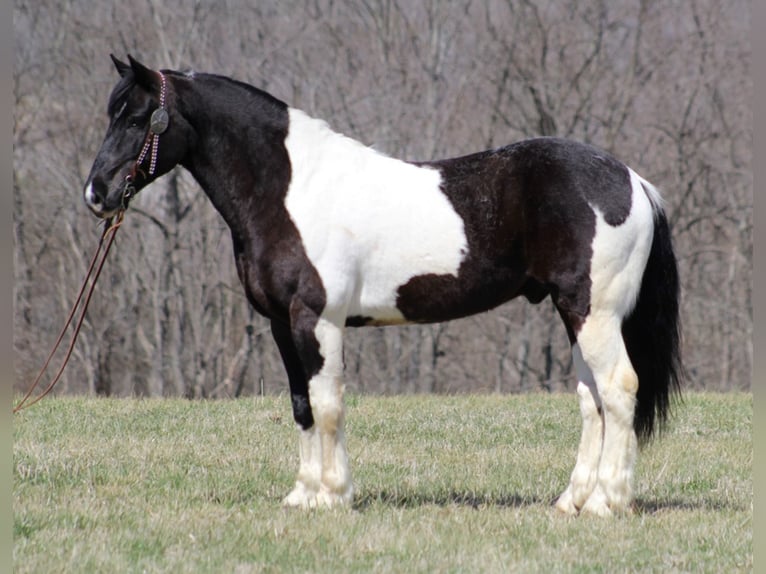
(327, 403)
(326, 398)
(585, 473)
(614, 490)
(617, 385)
(309, 479)
(323, 478)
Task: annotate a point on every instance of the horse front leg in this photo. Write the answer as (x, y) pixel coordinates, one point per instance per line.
(326, 397)
(309, 477)
(312, 351)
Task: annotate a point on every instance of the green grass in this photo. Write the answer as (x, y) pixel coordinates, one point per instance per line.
(444, 484)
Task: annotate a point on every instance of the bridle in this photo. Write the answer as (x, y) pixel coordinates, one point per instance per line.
(157, 125)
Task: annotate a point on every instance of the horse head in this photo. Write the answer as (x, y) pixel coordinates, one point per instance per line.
(146, 138)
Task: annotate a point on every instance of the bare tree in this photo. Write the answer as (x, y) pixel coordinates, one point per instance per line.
(666, 87)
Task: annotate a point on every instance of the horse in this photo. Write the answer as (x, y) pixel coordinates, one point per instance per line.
(328, 233)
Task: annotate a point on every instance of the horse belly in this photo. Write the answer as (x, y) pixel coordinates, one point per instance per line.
(387, 261)
(435, 298)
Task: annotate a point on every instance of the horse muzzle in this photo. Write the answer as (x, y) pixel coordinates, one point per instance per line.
(103, 202)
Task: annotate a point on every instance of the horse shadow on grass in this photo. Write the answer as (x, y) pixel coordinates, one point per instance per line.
(476, 500)
(650, 506)
(642, 506)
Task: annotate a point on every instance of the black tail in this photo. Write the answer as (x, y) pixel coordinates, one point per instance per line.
(652, 334)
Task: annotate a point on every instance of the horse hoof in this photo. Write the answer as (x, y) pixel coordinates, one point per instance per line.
(300, 497)
(565, 504)
(329, 499)
(597, 504)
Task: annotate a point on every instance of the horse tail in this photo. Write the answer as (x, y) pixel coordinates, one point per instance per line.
(652, 331)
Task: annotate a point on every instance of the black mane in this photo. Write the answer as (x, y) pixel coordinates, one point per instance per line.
(252, 90)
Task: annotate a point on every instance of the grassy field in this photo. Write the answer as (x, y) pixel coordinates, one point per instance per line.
(444, 484)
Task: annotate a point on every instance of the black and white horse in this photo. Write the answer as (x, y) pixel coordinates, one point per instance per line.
(328, 233)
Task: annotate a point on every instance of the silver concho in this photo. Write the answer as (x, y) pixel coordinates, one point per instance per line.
(160, 120)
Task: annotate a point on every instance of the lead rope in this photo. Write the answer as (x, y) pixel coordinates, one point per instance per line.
(110, 230)
(158, 124)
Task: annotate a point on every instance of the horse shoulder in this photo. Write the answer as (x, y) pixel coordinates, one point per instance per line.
(368, 222)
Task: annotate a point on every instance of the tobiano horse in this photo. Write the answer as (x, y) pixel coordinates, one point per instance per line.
(328, 233)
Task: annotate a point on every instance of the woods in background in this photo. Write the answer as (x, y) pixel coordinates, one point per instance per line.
(665, 86)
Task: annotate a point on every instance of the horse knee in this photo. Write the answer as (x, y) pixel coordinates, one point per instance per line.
(302, 414)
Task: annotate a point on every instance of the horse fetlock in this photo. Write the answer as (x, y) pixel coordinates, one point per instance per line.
(582, 484)
(325, 497)
(612, 496)
(337, 478)
(565, 503)
(619, 494)
(335, 493)
(597, 503)
(301, 496)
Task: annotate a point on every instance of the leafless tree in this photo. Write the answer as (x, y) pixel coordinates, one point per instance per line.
(664, 86)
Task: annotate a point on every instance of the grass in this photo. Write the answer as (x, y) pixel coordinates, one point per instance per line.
(444, 484)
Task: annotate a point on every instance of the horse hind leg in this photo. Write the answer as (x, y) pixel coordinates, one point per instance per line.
(585, 473)
(603, 350)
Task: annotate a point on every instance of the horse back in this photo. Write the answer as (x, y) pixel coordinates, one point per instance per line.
(397, 241)
(529, 211)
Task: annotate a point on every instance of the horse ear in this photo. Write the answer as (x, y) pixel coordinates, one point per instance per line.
(122, 67)
(145, 77)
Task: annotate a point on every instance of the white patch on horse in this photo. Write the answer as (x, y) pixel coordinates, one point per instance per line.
(620, 254)
(654, 194)
(369, 222)
(619, 258)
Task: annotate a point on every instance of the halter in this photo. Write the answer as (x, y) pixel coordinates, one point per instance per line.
(157, 125)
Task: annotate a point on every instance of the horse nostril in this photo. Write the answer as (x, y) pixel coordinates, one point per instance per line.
(89, 195)
(93, 196)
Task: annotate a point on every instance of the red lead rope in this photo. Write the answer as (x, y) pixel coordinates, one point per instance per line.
(110, 230)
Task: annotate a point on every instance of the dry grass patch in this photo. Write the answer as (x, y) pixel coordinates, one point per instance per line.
(443, 484)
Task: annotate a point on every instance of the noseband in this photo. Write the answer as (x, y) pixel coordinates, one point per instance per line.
(157, 125)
